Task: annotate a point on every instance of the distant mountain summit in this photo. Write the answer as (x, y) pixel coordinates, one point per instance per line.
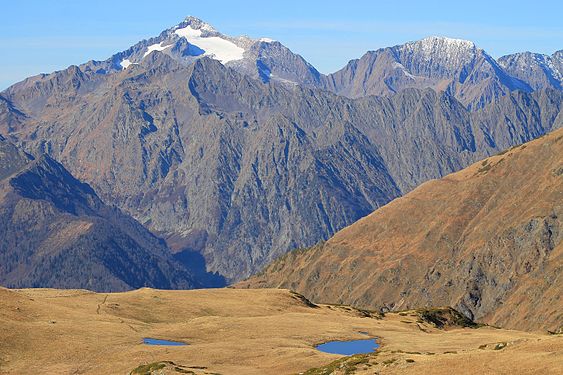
(189, 40)
(192, 39)
(443, 55)
(455, 66)
(444, 64)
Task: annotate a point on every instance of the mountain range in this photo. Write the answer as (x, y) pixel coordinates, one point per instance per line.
(238, 150)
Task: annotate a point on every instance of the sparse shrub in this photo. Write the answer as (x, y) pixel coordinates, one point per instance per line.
(445, 316)
(148, 369)
(348, 365)
(484, 169)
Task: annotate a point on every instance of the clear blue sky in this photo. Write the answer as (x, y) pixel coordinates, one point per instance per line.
(44, 35)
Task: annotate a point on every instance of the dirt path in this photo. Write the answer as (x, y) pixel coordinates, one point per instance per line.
(100, 304)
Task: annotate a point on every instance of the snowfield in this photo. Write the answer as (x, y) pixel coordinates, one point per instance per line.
(215, 47)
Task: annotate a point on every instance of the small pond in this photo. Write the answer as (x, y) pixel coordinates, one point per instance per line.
(349, 347)
(149, 341)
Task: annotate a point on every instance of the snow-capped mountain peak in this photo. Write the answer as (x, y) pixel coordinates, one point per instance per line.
(448, 53)
(197, 23)
(442, 47)
(446, 41)
(202, 40)
(192, 39)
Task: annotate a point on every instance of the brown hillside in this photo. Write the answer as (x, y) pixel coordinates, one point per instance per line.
(485, 240)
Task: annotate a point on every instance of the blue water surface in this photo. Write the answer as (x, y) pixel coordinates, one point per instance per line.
(349, 347)
(162, 342)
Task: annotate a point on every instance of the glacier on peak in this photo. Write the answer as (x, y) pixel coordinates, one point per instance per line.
(216, 47)
(156, 47)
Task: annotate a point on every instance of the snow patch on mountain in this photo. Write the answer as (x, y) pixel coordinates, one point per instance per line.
(401, 67)
(214, 46)
(547, 64)
(125, 63)
(156, 47)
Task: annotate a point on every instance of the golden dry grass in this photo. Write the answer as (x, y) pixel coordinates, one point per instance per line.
(232, 331)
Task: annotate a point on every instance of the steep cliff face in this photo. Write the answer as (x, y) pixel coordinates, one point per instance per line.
(56, 232)
(486, 240)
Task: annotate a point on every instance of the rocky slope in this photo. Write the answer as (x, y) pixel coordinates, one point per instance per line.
(208, 153)
(486, 240)
(56, 232)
